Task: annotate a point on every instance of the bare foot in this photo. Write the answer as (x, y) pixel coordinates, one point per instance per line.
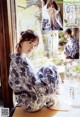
(60, 106)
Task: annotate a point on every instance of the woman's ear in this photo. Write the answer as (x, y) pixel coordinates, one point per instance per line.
(21, 44)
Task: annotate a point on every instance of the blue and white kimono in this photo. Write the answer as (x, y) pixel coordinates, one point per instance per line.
(33, 90)
(72, 48)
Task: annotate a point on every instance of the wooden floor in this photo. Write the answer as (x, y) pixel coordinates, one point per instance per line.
(19, 112)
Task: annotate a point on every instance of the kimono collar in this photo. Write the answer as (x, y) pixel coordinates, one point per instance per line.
(14, 55)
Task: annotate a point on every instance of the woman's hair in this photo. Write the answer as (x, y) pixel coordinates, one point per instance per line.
(69, 31)
(28, 35)
(52, 3)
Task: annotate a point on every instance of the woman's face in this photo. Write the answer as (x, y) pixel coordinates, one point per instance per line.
(27, 46)
(66, 36)
(51, 8)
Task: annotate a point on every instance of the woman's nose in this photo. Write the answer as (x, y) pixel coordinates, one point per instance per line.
(31, 47)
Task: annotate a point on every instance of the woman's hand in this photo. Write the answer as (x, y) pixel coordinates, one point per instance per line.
(52, 16)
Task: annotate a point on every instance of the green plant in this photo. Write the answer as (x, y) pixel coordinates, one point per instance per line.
(76, 69)
(65, 21)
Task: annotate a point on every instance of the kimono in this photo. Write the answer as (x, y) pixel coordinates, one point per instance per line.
(72, 48)
(46, 22)
(33, 90)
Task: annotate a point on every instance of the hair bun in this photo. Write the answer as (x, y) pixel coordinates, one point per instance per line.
(22, 33)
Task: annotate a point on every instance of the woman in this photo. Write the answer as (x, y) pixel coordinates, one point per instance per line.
(33, 90)
(71, 49)
(51, 19)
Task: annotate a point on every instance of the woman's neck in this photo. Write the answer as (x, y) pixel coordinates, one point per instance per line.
(23, 54)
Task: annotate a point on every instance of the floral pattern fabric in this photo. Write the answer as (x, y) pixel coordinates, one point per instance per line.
(33, 90)
(72, 48)
(46, 20)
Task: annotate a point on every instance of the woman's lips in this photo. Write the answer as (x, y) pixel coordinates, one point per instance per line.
(28, 50)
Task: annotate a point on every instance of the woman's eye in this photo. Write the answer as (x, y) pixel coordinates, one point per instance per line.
(30, 42)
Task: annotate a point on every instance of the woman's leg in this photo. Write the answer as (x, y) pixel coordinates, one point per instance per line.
(50, 78)
(51, 82)
(32, 102)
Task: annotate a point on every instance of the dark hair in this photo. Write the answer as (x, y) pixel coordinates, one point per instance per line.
(28, 35)
(69, 31)
(52, 3)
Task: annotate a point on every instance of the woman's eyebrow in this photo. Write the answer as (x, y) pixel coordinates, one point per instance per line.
(36, 45)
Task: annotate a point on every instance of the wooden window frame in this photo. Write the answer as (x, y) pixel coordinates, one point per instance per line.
(7, 37)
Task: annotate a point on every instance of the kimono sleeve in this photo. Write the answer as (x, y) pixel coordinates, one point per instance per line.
(20, 76)
(67, 50)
